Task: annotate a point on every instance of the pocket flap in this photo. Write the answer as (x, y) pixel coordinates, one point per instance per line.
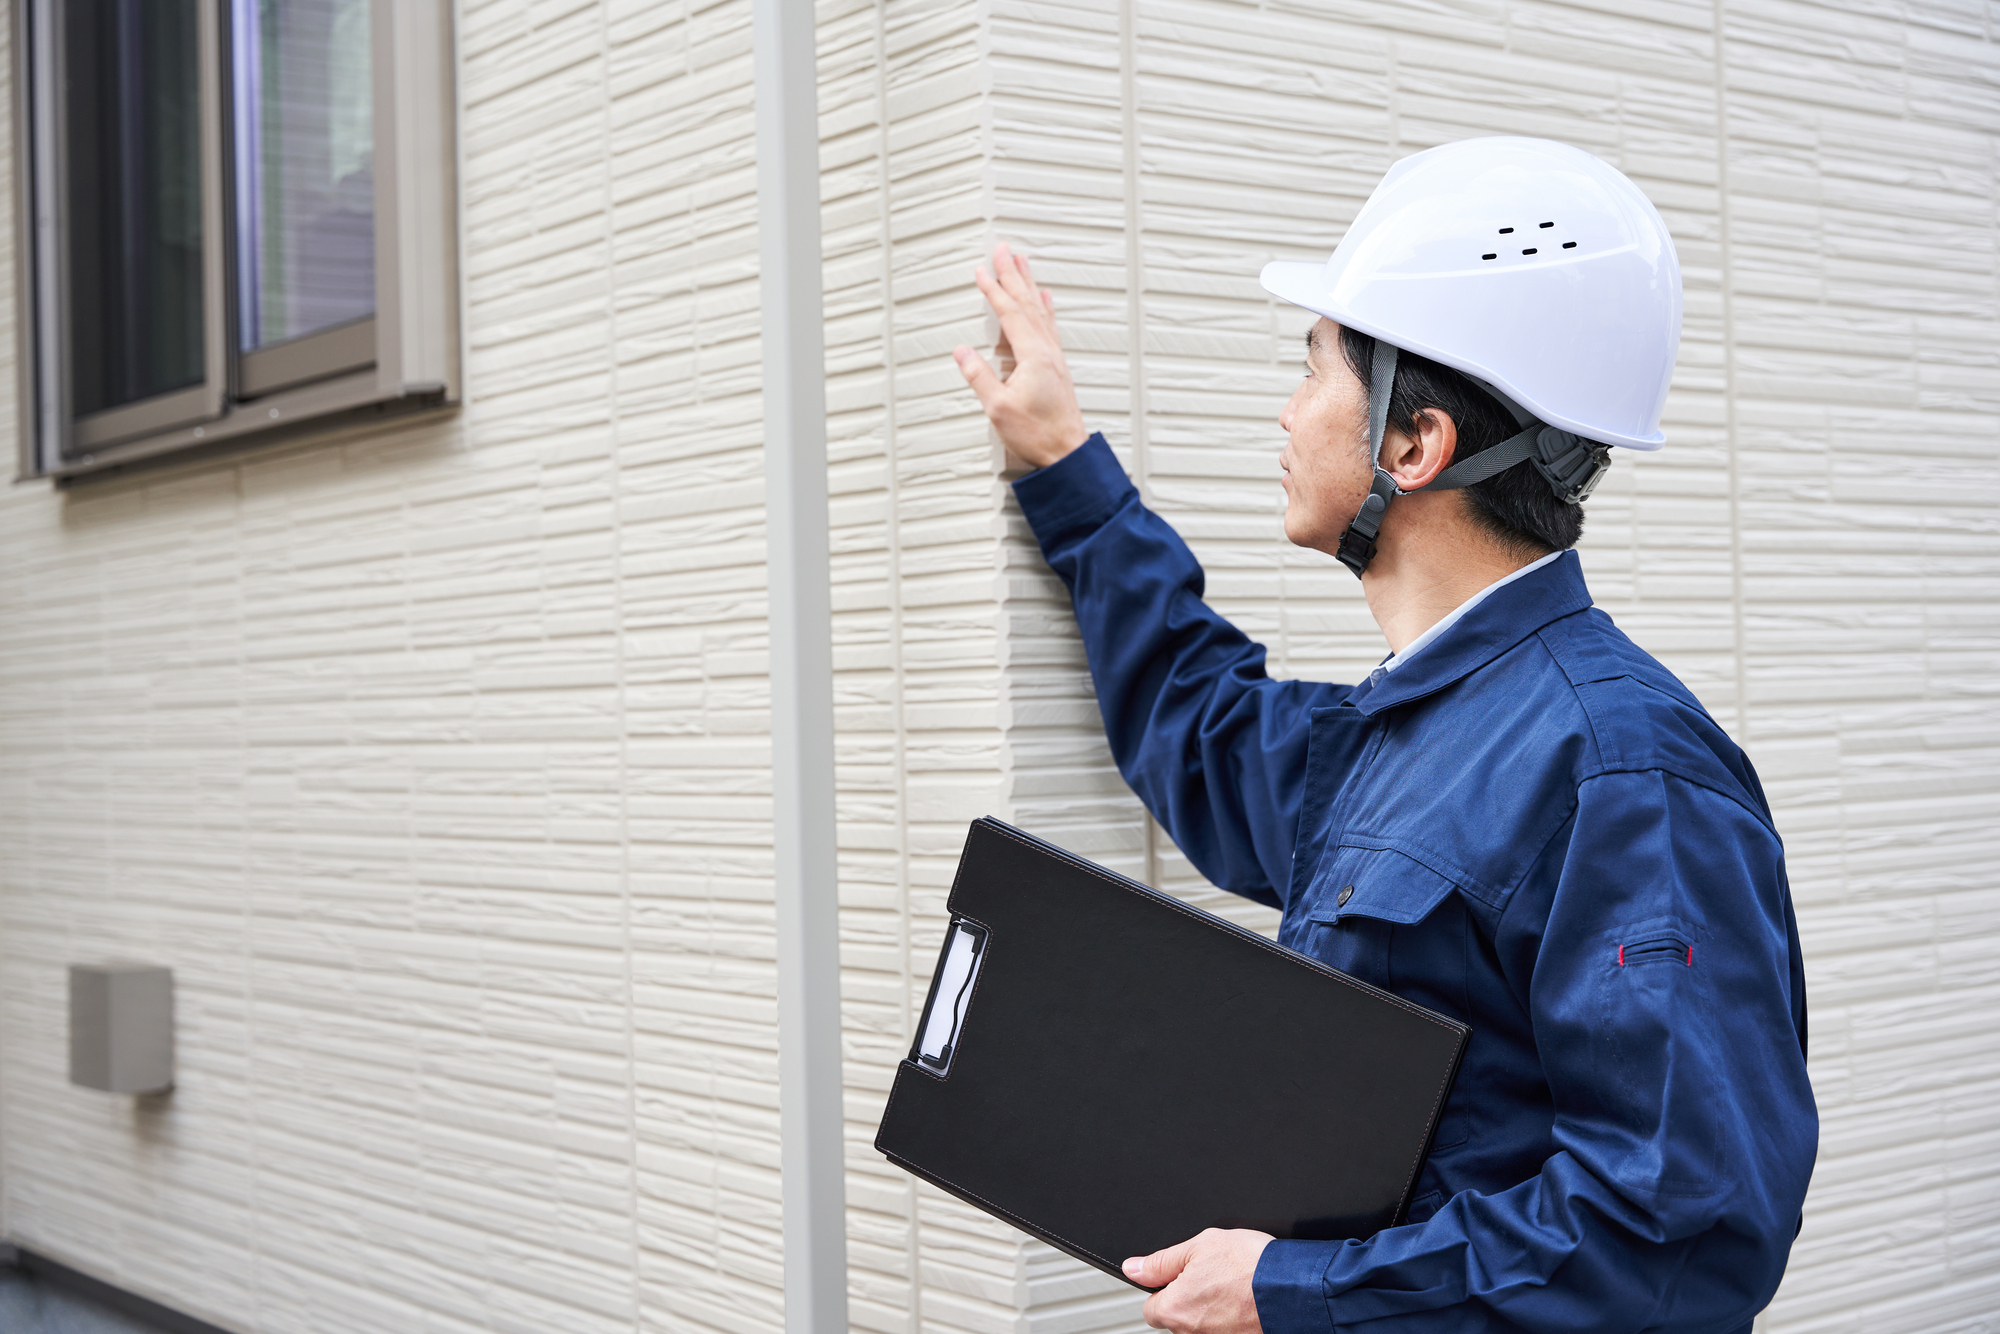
(1382, 883)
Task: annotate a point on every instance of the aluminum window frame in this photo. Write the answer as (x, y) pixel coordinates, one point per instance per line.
(405, 358)
(202, 401)
(323, 353)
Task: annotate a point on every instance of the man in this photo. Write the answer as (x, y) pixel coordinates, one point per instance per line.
(1520, 819)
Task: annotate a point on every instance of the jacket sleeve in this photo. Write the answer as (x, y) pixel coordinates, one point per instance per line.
(1653, 951)
(1214, 747)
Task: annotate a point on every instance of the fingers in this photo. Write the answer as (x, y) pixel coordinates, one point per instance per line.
(1011, 283)
(1027, 313)
(979, 375)
(1034, 409)
(1161, 1267)
(1031, 293)
(1011, 270)
(997, 296)
(1157, 1271)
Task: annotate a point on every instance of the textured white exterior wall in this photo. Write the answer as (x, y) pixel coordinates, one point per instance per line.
(918, 649)
(434, 759)
(1817, 552)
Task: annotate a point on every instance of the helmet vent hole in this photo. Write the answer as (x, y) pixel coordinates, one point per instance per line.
(1529, 251)
(1489, 256)
(1569, 245)
(1505, 230)
(1548, 224)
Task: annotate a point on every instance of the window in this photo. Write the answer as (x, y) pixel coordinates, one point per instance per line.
(303, 109)
(240, 218)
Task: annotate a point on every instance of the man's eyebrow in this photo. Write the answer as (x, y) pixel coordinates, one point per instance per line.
(1312, 340)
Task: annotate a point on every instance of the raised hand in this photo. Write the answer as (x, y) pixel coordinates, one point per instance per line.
(1034, 409)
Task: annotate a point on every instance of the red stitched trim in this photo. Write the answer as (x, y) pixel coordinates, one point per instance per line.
(1689, 960)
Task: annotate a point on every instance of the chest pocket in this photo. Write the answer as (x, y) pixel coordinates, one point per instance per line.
(1381, 884)
(1388, 919)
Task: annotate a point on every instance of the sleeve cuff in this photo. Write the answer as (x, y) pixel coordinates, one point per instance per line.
(1290, 1287)
(1080, 489)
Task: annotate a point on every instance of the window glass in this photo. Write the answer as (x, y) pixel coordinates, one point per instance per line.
(131, 165)
(305, 167)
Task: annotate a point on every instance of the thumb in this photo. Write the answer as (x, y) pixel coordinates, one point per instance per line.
(1161, 1267)
(979, 375)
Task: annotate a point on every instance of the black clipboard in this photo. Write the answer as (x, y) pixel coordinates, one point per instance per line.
(1112, 1070)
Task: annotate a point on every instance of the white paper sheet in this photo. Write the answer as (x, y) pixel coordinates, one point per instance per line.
(962, 957)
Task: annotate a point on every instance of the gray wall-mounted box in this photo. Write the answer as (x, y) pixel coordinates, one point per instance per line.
(121, 1027)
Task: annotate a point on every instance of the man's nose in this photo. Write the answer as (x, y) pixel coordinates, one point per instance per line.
(1285, 413)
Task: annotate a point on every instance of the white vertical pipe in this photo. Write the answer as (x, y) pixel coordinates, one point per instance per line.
(51, 389)
(795, 506)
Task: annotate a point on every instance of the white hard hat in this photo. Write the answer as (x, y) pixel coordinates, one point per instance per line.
(1534, 266)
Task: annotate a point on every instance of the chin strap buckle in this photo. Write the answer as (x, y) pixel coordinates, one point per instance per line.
(1357, 544)
(1571, 465)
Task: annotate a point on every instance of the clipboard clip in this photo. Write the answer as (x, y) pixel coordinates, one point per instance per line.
(951, 989)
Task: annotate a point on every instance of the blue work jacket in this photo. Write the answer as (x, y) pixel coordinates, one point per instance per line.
(1530, 826)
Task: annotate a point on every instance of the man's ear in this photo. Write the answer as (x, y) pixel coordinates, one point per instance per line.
(1415, 460)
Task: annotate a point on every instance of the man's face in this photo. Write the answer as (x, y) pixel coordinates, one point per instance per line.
(1326, 464)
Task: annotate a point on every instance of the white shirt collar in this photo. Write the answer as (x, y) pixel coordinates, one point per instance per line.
(1423, 640)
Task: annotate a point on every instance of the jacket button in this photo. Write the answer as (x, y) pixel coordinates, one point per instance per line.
(1345, 895)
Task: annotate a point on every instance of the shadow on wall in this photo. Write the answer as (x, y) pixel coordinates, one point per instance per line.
(30, 1305)
(38, 1297)
(271, 469)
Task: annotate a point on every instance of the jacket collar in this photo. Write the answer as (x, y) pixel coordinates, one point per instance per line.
(1497, 624)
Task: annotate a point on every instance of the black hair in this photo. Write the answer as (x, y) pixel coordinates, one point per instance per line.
(1515, 505)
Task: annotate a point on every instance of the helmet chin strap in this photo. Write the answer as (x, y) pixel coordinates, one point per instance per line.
(1571, 465)
(1357, 544)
